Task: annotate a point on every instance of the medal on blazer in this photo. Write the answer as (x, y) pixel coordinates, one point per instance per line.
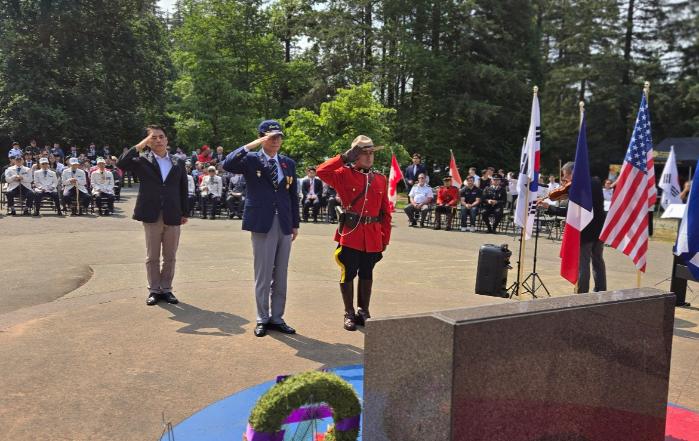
(259, 174)
(288, 181)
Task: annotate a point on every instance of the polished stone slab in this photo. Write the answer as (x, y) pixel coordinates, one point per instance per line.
(591, 367)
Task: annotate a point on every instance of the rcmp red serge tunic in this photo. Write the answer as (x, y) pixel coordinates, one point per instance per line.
(448, 196)
(350, 183)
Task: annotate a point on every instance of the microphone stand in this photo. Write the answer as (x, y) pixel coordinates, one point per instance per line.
(534, 276)
(513, 290)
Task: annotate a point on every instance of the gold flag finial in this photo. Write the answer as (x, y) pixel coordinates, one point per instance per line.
(646, 88)
(536, 90)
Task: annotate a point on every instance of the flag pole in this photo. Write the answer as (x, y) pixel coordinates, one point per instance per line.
(581, 106)
(519, 259)
(524, 228)
(522, 252)
(646, 92)
(388, 184)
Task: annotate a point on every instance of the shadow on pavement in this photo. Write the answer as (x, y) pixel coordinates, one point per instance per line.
(202, 322)
(329, 354)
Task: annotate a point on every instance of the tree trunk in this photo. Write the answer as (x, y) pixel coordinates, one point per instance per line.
(626, 74)
(368, 36)
(44, 23)
(436, 25)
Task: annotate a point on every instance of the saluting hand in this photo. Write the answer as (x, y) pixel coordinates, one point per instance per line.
(143, 144)
(256, 143)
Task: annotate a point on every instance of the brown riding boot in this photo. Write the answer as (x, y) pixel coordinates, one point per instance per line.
(347, 290)
(363, 299)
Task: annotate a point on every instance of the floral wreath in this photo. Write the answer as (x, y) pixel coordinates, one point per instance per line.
(302, 397)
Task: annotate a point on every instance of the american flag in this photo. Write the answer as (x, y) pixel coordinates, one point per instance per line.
(626, 226)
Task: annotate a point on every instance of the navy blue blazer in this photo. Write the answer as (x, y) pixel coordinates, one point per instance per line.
(410, 176)
(262, 200)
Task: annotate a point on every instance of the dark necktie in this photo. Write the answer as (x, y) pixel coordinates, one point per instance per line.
(272, 163)
(45, 173)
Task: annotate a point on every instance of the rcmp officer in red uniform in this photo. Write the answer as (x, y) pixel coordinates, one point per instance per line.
(447, 198)
(365, 226)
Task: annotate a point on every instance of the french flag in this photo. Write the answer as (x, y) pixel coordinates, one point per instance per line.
(579, 210)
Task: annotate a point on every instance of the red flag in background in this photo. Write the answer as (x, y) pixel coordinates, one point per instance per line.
(454, 172)
(394, 177)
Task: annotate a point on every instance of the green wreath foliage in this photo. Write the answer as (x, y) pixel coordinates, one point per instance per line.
(311, 387)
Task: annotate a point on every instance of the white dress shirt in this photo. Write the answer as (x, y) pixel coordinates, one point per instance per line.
(280, 173)
(165, 165)
(420, 194)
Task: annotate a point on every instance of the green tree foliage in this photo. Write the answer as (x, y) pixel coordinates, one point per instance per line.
(446, 74)
(312, 137)
(81, 71)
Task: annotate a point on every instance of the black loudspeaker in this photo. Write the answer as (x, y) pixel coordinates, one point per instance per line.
(493, 264)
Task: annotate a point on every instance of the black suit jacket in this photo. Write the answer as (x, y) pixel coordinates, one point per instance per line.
(317, 187)
(411, 175)
(154, 195)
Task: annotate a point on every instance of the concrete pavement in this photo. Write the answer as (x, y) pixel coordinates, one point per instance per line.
(83, 358)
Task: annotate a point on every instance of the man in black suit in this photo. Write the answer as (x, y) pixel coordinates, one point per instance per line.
(312, 191)
(161, 205)
(413, 171)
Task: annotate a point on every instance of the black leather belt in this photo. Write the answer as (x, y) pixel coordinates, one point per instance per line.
(370, 220)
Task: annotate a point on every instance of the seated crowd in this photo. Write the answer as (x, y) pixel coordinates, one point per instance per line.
(90, 178)
(88, 181)
(485, 196)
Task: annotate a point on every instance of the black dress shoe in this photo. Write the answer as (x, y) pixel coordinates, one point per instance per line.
(152, 299)
(350, 322)
(361, 317)
(282, 327)
(260, 330)
(170, 298)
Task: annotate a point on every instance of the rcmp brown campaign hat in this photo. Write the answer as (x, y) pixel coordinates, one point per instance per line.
(365, 143)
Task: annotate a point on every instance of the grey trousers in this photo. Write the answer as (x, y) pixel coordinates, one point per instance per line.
(592, 251)
(271, 260)
(166, 238)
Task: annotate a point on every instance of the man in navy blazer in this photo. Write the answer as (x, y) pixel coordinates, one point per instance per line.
(271, 214)
(312, 193)
(413, 171)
